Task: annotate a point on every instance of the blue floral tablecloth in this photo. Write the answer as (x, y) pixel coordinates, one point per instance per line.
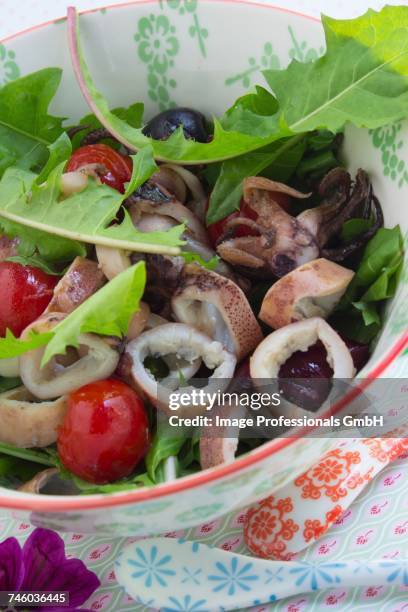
(376, 526)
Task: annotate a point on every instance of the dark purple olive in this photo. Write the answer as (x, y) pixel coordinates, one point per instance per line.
(359, 352)
(305, 378)
(164, 124)
(311, 363)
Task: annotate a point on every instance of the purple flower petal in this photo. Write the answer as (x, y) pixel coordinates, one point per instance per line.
(11, 565)
(48, 569)
(60, 609)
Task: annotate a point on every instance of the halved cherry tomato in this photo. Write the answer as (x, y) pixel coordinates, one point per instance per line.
(115, 169)
(105, 431)
(25, 294)
(216, 230)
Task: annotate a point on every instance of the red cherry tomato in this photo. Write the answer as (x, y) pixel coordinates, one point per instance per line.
(105, 431)
(115, 169)
(25, 294)
(215, 230)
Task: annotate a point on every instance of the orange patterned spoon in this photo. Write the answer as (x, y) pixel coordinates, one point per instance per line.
(278, 527)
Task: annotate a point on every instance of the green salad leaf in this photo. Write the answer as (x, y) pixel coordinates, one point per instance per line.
(380, 260)
(182, 448)
(282, 157)
(353, 228)
(260, 102)
(161, 449)
(28, 454)
(305, 155)
(6, 384)
(15, 471)
(143, 168)
(36, 261)
(133, 115)
(15, 185)
(107, 312)
(190, 257)
(362, 79)
(316, 166)
(26, 127)
(10, 346)
(83, 217)
(36, 243)
(359, 314)
(189, 457)
(134, 481)
(59, 151)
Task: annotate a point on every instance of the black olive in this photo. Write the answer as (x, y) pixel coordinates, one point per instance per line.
(165, 123)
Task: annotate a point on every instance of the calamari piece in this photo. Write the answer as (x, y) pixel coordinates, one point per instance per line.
(342, 201)
(26, 422)
(9, 367)
(219, 444)
(282, 243)
(73, 182)
(168, 207)
(185, 345)
(82, 279)
(94, 359)
(171, 180)
(218, 307)
(39, 481)
(198, 202)
(139, 321)
(178, 213)
(163, 277)
(152, 222)
(253, 184)
(49, 482)
(112, 261)
(207, 253)
(155, 320)
(282, 343)
(8, 247)
(312, 290)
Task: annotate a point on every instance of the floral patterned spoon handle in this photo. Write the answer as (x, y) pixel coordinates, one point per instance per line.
(280, 526)
(175, 575)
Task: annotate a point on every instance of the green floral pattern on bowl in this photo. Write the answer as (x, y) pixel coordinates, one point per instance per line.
(189, 8)
(157, 45)
(9, 69)
(389, 141)
(301, 50)
(267, 60)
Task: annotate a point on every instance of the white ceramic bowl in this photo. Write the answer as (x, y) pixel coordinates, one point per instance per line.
(201, 55)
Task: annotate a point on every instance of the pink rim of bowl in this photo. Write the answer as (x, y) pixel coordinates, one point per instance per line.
(268, 449)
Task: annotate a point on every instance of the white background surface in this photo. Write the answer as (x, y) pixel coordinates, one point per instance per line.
(16, 15)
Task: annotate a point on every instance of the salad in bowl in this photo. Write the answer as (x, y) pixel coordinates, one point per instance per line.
(145, 252)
